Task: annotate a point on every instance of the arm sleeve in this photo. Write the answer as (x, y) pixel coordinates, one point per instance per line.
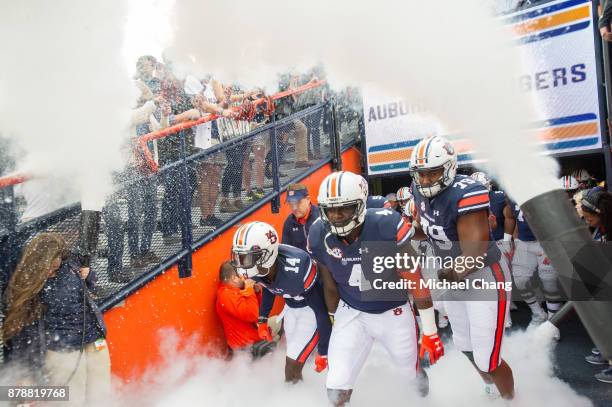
(267, 301)
(243, 305)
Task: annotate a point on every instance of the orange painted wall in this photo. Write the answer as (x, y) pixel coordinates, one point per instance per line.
(185, 305)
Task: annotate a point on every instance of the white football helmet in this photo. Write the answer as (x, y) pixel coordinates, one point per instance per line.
(582, 175)
(569, 183)
(409, 209)
(343, 189)
(482, 178)
(255, 246)
(432, 154)
(404, 195)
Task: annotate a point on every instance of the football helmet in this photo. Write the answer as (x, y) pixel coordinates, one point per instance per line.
(569, 183)
(403, 196)
(430, 155)
(255, 246)
(343, 189)
(482, 178)
(582, 175)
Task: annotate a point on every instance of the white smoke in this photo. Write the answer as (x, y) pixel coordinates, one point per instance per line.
(65, 92)
(452, 55)
(188, 379)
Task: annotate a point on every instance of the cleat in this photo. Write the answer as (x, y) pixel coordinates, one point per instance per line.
(596, 359)
(605, 375)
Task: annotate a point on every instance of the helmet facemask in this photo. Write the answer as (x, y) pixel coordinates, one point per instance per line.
(447, 176)
(252, 260)
(347, 225)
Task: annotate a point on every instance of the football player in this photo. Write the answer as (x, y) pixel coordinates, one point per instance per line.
(529, 257)
(501, 221)
(335, 243)
(453, 212)
(404, 195)
(289, 272)
(377, 201)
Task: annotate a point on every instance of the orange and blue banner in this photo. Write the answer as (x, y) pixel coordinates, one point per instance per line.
(556, 41)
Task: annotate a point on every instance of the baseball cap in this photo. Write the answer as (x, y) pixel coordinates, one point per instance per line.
(295, 192)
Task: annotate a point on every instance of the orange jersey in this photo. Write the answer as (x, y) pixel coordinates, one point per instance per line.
(238, 310)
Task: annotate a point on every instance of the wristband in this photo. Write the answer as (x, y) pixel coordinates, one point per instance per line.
(262, 320)
(428, 321)
(507, 237)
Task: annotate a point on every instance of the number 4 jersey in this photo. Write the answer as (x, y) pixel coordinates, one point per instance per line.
(439, 215)
(343, 260)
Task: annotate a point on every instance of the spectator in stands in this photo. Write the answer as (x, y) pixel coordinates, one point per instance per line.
(294, 132)
(53, 323)
(313, 122)
(145, 71)
(205, 96)
(303, 214)
(230, 128)
(237, 306)
(596, 206)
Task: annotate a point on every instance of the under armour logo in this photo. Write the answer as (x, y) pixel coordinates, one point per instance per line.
(295, 229)
(398, 311)
(436, 213)
(364, 250)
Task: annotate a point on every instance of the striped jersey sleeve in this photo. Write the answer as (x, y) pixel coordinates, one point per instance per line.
(310, 277)
(473, 201)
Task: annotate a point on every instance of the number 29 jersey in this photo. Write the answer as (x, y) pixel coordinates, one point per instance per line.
(439, 215)
(296, 274)
(344, 260)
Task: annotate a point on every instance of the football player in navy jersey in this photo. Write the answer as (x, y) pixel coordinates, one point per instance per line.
(453, 212)
(528, 257)
(501, 221)
(335, 243)
(289, 272)
(377, 201)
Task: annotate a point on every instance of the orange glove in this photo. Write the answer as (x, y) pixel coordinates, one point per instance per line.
(264, 331)
(433, 346)
(320, 363)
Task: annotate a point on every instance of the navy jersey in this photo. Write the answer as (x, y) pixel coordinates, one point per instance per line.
(296, 234)
(296, 281)
(524, 231)
(497, 203)
(438, 215)
(295, 275)
(344, 260)
(377, 201)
